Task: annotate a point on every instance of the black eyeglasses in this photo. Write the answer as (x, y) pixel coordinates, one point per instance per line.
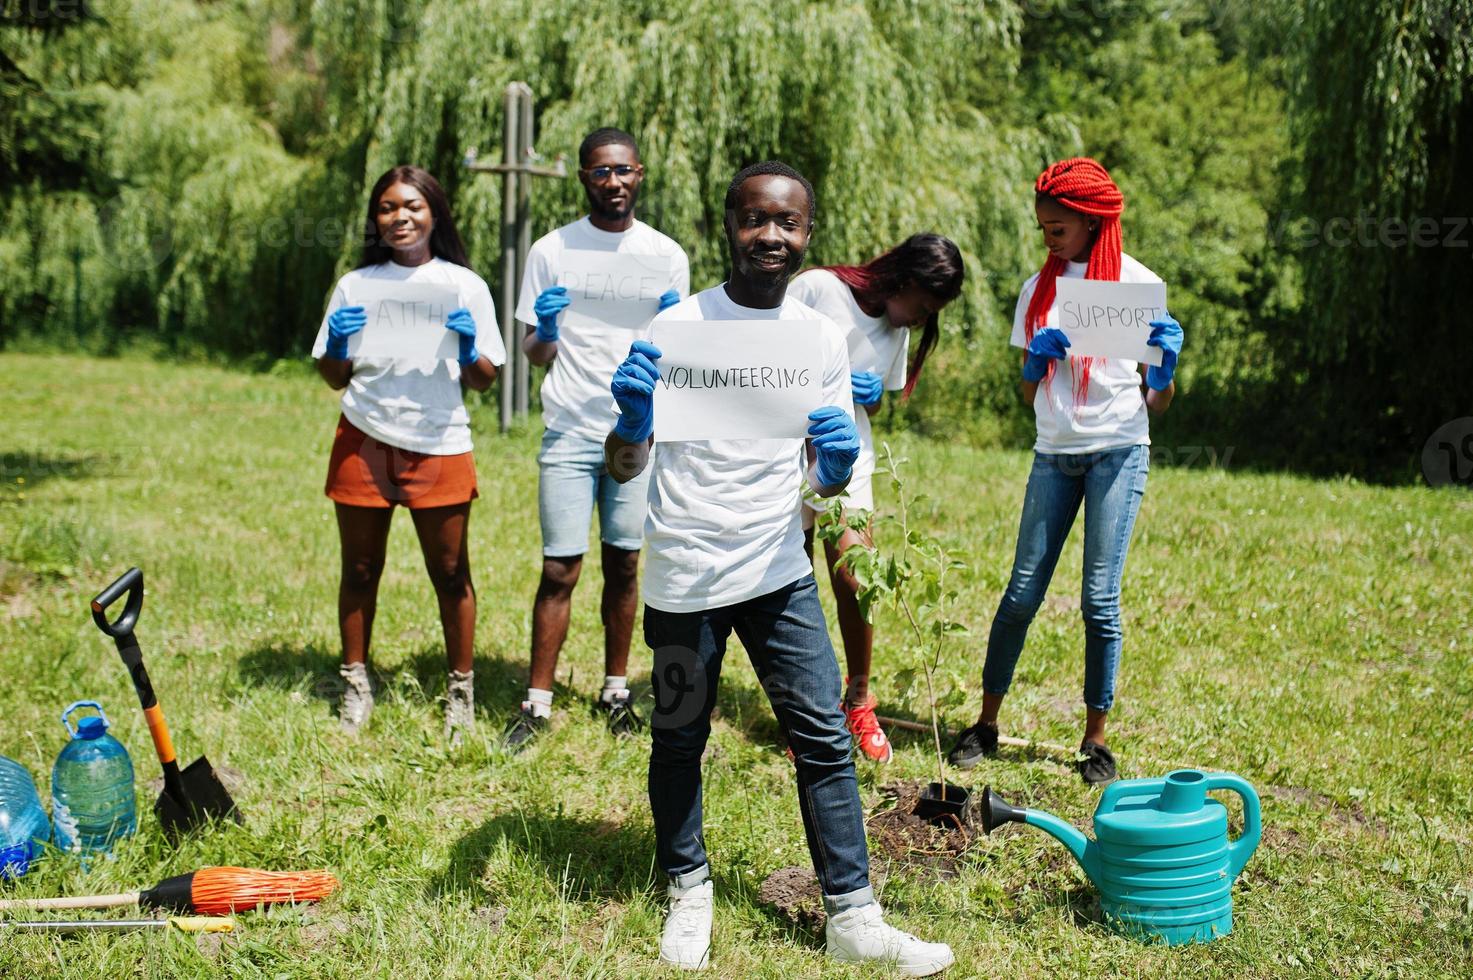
(603, 173)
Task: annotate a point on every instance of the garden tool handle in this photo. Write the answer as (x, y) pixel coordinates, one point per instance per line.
(71, 902)
(1240, 850)
(121, 630)
(130, 582)
(202, 923)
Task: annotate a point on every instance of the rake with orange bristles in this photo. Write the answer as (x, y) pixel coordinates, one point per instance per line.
(208, 891)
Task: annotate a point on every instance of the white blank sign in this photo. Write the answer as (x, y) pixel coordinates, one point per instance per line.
(406, 320)
(1109, 319)
(736, 379)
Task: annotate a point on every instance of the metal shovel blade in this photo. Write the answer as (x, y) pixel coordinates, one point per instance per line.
(200, 798)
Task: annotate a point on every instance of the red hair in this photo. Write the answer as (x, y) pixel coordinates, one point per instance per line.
(927, 260)
(1082, 185)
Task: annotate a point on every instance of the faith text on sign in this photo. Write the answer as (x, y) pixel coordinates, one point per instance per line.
(406, 321)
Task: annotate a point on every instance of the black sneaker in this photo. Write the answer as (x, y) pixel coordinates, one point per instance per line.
(524, 728)
(620, 715)
(1096, 764)
(972, 744)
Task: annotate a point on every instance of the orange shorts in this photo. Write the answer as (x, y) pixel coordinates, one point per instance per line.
(364, 472)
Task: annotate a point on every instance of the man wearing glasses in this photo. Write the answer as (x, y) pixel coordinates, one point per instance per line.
(582, 306)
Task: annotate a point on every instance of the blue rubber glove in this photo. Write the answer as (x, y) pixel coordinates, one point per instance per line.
(634, 392)
(1165, 334)
(868, 387)
(343, 323)
(550, 302)
(668, 299)
(836, 440)
(464, 324)
(1049, 344)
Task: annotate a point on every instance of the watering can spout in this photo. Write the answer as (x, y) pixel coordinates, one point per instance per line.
(996, 811)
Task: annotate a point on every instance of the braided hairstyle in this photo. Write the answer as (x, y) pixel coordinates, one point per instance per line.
(1080, 184)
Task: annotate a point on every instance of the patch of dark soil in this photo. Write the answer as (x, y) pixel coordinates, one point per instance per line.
(908, 839)
(326, 930)
(1352, 815)
(490, 917)
(794, 892)
(212, 944)
(1282, 840)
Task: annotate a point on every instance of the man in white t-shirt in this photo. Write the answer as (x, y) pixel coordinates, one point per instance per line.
(725, 553)
(582, 306)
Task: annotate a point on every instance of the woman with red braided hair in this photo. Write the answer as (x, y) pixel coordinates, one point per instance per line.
(1092, 449)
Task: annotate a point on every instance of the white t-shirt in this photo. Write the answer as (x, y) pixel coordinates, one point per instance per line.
(416, 406)
(1113, 413)
(575, 391)
(874, 345)
(723, 523)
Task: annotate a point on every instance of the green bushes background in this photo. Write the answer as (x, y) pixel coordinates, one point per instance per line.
(189, 178)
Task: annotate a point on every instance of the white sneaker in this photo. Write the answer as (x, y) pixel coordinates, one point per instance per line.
(861, 935)
(460, 707)
(357, 702)
(686, 941)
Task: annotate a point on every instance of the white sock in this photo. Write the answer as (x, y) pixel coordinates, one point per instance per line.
(541, 702)
(614, 688)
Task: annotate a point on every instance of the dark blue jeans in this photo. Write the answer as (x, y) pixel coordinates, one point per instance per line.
(1110, 484)
(788, 643)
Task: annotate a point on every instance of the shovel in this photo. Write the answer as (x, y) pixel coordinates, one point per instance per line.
(195, 795)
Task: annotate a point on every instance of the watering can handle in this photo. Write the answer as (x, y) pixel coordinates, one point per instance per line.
(1240, 850)
(1121, 788)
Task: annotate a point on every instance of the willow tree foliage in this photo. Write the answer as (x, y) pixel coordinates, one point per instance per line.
(1383, 115)
(192, 175)
(888, 107)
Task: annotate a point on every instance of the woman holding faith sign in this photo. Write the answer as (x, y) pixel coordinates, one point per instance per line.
(1092, 448)
(404, 433)
(876, 304)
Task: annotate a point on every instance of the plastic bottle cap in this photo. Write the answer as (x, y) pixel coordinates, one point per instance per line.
(91, 727)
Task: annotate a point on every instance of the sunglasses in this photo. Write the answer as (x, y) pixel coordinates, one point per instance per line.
(604, 173)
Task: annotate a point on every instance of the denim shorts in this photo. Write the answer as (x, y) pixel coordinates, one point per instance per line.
(572, 480)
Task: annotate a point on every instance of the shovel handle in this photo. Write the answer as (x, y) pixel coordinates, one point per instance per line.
(130, 582)
(121, 630)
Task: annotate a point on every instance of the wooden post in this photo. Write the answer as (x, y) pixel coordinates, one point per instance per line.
(524, 228)
(510, 146)
(518, 167)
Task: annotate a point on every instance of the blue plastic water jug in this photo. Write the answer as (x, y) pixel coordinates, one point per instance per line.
(23, 824)
(91, 786)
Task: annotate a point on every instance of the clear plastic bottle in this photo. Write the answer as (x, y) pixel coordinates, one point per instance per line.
(23, 824)
(91, 786)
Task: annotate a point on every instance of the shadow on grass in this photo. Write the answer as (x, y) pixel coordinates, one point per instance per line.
(744, 704)
(33, 467)
(288, 665)
(582, 858)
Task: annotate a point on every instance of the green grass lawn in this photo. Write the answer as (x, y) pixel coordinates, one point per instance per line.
(1313, 637)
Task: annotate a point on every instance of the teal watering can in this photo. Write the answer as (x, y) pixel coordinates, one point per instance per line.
(1161, 857)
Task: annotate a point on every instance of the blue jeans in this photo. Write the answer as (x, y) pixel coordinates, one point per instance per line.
(1111, 484)
(573, 479)
(788, 643)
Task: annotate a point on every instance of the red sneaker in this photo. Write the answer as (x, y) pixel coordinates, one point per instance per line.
(865, 728)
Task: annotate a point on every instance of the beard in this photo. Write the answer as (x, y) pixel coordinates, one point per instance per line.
(614, 213)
